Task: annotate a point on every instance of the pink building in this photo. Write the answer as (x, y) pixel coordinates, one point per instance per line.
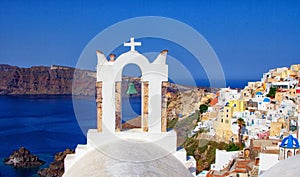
(263, 135)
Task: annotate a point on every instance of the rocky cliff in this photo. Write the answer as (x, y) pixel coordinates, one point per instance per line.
(54, 80)
(57, 80)
(44, 80)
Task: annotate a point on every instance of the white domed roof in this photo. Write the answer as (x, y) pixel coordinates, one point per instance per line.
(127, 158)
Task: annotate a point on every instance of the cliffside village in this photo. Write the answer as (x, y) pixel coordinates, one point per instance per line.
(264, 116)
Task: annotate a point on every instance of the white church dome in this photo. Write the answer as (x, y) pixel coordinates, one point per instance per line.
(127, 158)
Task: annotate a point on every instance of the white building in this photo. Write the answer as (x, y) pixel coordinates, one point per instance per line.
(146, 151)
(266, 161)
(226, 94)
(287, 108)
(223, 159)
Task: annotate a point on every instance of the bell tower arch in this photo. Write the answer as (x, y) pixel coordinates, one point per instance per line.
(108, 90)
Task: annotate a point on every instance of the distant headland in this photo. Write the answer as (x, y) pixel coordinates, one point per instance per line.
(45, 80)
(41, 80)
(58, 80)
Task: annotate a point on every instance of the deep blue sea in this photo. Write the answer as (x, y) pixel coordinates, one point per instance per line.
(46, 125)
(49, 124)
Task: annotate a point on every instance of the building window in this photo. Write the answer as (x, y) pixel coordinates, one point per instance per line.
(227, 115)
(221, 120)
(226, 121)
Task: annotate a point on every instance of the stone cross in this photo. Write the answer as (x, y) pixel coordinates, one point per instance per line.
(132, 44)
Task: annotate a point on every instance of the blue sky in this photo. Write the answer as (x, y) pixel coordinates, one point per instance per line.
(249, 37)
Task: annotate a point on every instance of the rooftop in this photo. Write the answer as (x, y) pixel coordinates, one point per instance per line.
(290, 142)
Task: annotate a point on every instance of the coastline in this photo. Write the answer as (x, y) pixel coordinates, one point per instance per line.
(45, 80)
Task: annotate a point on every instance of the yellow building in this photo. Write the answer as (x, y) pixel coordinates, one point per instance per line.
(271, 80)
(279, 96)
(246, 94)
(223, 126)
(208, 115)
(295, 68)
(264, 86)
(292, 93)
(281, 72)
(255, 85)
(277, 126)
(238, 105)
(260, 89)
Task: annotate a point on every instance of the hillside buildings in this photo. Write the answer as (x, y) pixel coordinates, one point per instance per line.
(264, 116)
